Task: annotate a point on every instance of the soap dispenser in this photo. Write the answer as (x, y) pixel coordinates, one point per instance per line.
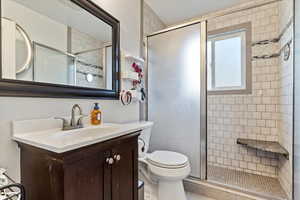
(96, 115)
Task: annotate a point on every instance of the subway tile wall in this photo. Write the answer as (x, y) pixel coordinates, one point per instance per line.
(266, 114)
(251, 116)
(285, 107)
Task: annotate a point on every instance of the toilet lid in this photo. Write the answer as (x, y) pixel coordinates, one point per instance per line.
(167, 159)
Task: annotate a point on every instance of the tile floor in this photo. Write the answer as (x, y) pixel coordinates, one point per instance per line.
(151, 192)
(192, 196)
(245, 181)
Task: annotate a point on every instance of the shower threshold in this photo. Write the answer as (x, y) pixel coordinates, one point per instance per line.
(251, 183)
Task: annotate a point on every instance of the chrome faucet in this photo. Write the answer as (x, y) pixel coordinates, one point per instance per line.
(73, 123)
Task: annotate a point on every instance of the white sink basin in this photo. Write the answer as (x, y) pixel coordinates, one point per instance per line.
(47, 134)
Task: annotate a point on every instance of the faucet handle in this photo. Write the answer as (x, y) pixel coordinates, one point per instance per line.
(79, 121)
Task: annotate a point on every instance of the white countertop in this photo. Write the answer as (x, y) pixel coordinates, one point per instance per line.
(52, 138)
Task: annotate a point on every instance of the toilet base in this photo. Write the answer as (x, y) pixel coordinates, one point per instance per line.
(171, 190)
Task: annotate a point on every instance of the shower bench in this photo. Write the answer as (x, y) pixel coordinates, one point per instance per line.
(268, 146)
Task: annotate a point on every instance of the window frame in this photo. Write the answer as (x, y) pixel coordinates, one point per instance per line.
(243, 31)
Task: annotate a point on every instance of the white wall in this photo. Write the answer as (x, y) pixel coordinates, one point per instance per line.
(11, 108)
(128, 12)
(41, 29)
(151, 21)
(38, 28)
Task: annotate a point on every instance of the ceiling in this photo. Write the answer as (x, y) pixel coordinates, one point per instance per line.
(69, 14)
(176, 11)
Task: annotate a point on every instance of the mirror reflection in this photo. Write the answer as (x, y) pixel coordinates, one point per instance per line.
(55, 42)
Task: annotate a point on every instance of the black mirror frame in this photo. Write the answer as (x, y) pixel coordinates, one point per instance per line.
(18, 88)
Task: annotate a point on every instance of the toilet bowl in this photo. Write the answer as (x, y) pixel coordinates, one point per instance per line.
(166, 168)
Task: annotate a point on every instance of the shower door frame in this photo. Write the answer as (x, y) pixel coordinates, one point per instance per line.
(203, 134)
(203, 89)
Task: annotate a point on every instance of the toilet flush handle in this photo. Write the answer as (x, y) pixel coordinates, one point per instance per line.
(143, 145)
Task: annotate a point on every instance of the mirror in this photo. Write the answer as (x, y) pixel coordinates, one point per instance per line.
(58, 42)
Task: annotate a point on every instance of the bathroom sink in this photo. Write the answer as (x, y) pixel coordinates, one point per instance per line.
(47, 134)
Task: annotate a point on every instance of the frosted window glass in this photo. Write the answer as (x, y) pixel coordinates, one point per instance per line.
(228, 59)
(174, 93)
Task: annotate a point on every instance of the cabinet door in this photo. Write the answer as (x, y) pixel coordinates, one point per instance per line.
(88, 178)
(125, 171)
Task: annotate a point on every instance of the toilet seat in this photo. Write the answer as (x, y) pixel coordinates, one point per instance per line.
(167, 159)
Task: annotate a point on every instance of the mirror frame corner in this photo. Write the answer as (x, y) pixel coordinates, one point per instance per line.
(19, 88)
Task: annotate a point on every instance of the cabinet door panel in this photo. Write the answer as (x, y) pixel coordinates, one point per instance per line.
(125, 172)
(87, 178)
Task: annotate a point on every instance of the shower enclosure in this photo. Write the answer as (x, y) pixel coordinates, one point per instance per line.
(177, 87)
(220, 90)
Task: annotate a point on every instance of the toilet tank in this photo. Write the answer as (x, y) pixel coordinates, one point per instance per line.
(144, 138)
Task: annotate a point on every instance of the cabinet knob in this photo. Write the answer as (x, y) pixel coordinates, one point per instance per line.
(117, 157)
(110, 161)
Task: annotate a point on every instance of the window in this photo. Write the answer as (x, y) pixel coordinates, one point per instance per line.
(228, 61)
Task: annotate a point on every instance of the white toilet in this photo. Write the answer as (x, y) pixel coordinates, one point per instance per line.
(167, 168)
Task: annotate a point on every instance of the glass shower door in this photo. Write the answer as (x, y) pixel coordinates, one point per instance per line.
(177, 93)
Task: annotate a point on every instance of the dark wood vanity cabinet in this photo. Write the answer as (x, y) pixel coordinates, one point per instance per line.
(104, 171)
